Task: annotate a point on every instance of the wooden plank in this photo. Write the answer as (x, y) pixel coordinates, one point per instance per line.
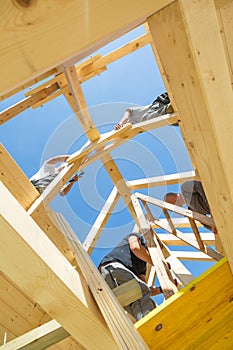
(176, 209)
(171, 240)
(94, 136)
(194, 324)
(182, 274)
(164, 180)
(181, 222)
(119, 324)
(20, 303)
(192, 242)
(156, 254)
(28, 102)
(15, 180)
(222, 3)
(38, 339)
(99, 22)
(115, 55)
(225, 17)
(81, 109)
(28, 84)
(197, 235)
(92, 66)
(176, 32)
(99, 224)
(198, 256)
(49, 279)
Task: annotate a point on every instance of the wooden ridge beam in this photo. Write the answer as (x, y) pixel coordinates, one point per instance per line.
(48, 279)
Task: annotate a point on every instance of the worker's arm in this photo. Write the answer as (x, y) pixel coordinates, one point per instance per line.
(67, 187)
(125, 119)
(57, 159)
(138, 250)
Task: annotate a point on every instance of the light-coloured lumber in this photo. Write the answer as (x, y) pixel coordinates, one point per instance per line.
(192, 242)
(201, 86)
(28, 102)
(202, 312)
(183, 275)
(99, 224)
(181, 222)
(21, 304)
(81, 109)
(222, 3)
(197, 234)
(104, 138)
(26, 194)
(115, 55)
(99, 23)
(171, 240)
(28, 84)
(163, 180)
(15, 180)
(49, 279)
(176, 209)
(119, 324)
(91, 67)
(186, 255)
(38, 339)
(225, 17)
(156, 254)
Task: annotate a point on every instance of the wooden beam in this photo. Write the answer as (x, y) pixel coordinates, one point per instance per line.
(99, 23)
(185, 255)
(213, 322)
(15, 180)
(171, 240)
(199, 72)
(164, 180)
(192, 242)
(28, 102)
(176, 209)
(81, 112)
(39, 338)
(49, 279)
(156, 254)
(225, 17)
(99, 224)
(119, 324)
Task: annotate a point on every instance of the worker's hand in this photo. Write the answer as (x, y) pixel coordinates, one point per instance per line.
(118, 126)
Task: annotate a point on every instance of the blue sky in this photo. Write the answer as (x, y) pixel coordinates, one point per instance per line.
(35, 135)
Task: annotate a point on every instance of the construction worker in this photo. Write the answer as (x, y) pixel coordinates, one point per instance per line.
(49, 170)
(193, 195)
(127, 261)
(160, 106)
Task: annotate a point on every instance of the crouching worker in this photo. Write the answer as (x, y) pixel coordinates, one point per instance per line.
(126, 265)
